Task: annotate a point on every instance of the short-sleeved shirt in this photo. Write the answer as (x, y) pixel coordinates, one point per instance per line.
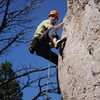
(43, 27)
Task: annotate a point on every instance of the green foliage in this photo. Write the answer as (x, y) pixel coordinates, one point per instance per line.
(11, 88)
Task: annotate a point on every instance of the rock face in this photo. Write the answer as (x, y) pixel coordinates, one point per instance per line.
(79, 65)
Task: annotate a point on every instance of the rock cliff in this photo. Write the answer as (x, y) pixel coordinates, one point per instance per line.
(79, 65)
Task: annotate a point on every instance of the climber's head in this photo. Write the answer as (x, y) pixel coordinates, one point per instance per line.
(54, 13)
(53, 16)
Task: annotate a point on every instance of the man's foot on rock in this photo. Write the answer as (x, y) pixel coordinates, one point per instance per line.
(58, 91)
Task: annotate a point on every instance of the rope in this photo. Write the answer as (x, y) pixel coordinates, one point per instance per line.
(48, 82)
(48, 77)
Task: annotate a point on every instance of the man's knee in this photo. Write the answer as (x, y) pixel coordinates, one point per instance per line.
(52, 33)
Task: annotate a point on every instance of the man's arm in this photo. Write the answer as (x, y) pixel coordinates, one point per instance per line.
(57, 27)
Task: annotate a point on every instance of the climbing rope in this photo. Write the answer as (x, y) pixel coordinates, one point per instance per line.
(48, 77)
(47, 87)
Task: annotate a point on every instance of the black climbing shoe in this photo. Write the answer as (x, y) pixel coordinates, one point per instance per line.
(58, 90)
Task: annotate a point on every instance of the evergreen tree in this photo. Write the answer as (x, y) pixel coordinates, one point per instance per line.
(11, 90)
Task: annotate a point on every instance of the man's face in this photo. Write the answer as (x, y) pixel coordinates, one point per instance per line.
(53, 19)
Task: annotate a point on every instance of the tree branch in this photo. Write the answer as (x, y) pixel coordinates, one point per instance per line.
(3, 25)
(11, 42)
(24, 74)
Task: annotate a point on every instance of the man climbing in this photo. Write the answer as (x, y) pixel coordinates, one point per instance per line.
(46, 37)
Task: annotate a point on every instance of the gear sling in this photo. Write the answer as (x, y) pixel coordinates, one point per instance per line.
(41, 46)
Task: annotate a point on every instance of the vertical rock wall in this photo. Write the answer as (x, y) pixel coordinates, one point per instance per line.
(79, 65)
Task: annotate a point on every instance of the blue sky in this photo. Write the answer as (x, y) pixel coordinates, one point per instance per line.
(20, 55)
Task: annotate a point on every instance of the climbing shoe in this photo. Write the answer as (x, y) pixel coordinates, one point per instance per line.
(59, 42)
(58, 90)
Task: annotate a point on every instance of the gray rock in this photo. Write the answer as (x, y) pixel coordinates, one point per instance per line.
(79, 70)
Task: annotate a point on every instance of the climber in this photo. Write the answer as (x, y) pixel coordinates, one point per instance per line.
(46, 38)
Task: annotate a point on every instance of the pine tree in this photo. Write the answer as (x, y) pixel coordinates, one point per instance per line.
(11, 90)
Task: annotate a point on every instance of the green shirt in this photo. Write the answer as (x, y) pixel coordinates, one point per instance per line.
(42, 27)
